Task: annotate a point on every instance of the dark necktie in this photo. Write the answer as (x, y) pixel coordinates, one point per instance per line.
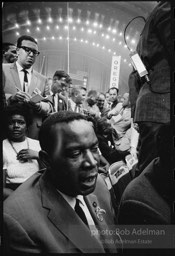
(80, 212)
(25, 79)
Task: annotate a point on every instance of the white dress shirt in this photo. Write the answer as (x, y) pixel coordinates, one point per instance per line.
(21, 74)
(72, 201)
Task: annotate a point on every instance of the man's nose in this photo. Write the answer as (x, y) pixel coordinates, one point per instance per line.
(90, 159)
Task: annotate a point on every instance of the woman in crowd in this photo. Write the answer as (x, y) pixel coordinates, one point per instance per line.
(20, 153)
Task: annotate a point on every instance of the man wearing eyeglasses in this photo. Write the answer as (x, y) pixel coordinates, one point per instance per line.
(21, 82)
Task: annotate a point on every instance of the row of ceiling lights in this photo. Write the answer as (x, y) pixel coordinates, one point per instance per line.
(78, 21)
(105, 36)
(89, 31)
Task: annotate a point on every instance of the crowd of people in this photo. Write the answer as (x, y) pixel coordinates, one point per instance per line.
(60, 139)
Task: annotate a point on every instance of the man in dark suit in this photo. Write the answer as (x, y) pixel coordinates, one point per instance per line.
(21, 82)
(67, 208)
(60, 90)
(151, 100)
(148, 199)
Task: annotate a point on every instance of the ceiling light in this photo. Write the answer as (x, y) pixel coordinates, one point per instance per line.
(103, 47)
(102, 35)
(114, 53)
(109, 50)
(87, 22)
(86, 41)
(90, 31)
(66, 27)
(39, 21)
(97, 45)
(75, 39)
(120, 34)
(16, 25)
(28, 30)
(109, 29)
(70, 20)
(60, 19)
(81, 40)
(53, 37)
(44, 38)
(113, 39)
(17, 33)
(28, 22)
(114, 31)
(82, 29)
(120, 43)
(60, 37)
(100, 26)
(47, 27)
(133, 41)
(124, 60)
(95, 32)
(78, 20)
(107, 36)
(50, 20)
(93, 44)
(95, 24)
(125, 46)
(38, 29)
(127, 37)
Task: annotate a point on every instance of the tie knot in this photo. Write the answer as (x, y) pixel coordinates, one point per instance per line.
(25, 71)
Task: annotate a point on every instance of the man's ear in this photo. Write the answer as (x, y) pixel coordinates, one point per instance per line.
(44, 159)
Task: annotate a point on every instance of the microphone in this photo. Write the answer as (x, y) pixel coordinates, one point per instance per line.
(139, 66)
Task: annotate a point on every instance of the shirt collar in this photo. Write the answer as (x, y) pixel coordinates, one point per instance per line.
(20, 68)
(72, 200)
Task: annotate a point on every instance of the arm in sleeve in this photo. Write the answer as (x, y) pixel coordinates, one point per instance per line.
(16, 239)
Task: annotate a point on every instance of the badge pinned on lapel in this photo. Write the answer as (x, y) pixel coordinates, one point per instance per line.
(99, 212)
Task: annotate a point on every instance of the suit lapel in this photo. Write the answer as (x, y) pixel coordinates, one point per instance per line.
(100, 217)
(67, 222)
(15, 75)
(33, 83)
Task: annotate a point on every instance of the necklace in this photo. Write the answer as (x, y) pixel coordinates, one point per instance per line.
(15, 148)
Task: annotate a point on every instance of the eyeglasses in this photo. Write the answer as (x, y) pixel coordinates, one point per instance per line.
(29, 50)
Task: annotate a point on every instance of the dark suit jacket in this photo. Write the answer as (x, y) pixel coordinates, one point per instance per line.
(147, 198)
(11, 81)
(38, 220)
(154, 48)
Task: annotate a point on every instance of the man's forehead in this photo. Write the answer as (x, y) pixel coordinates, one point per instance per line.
(29, 43)
(72, 126)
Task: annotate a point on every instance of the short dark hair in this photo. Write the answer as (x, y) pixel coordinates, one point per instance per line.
(22, 109)
(45, 136)
(62, 73)
(6, 46)
(113, 88)
(76, 89)
(92, 93)
(25, 37)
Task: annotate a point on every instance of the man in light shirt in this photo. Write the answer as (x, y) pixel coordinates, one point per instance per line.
(77, 97)
(43, 215)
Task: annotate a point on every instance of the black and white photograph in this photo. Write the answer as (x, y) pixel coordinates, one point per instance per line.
(87, 127)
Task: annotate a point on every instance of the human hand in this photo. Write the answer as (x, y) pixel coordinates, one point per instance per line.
(21, 97)
(27, 154)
